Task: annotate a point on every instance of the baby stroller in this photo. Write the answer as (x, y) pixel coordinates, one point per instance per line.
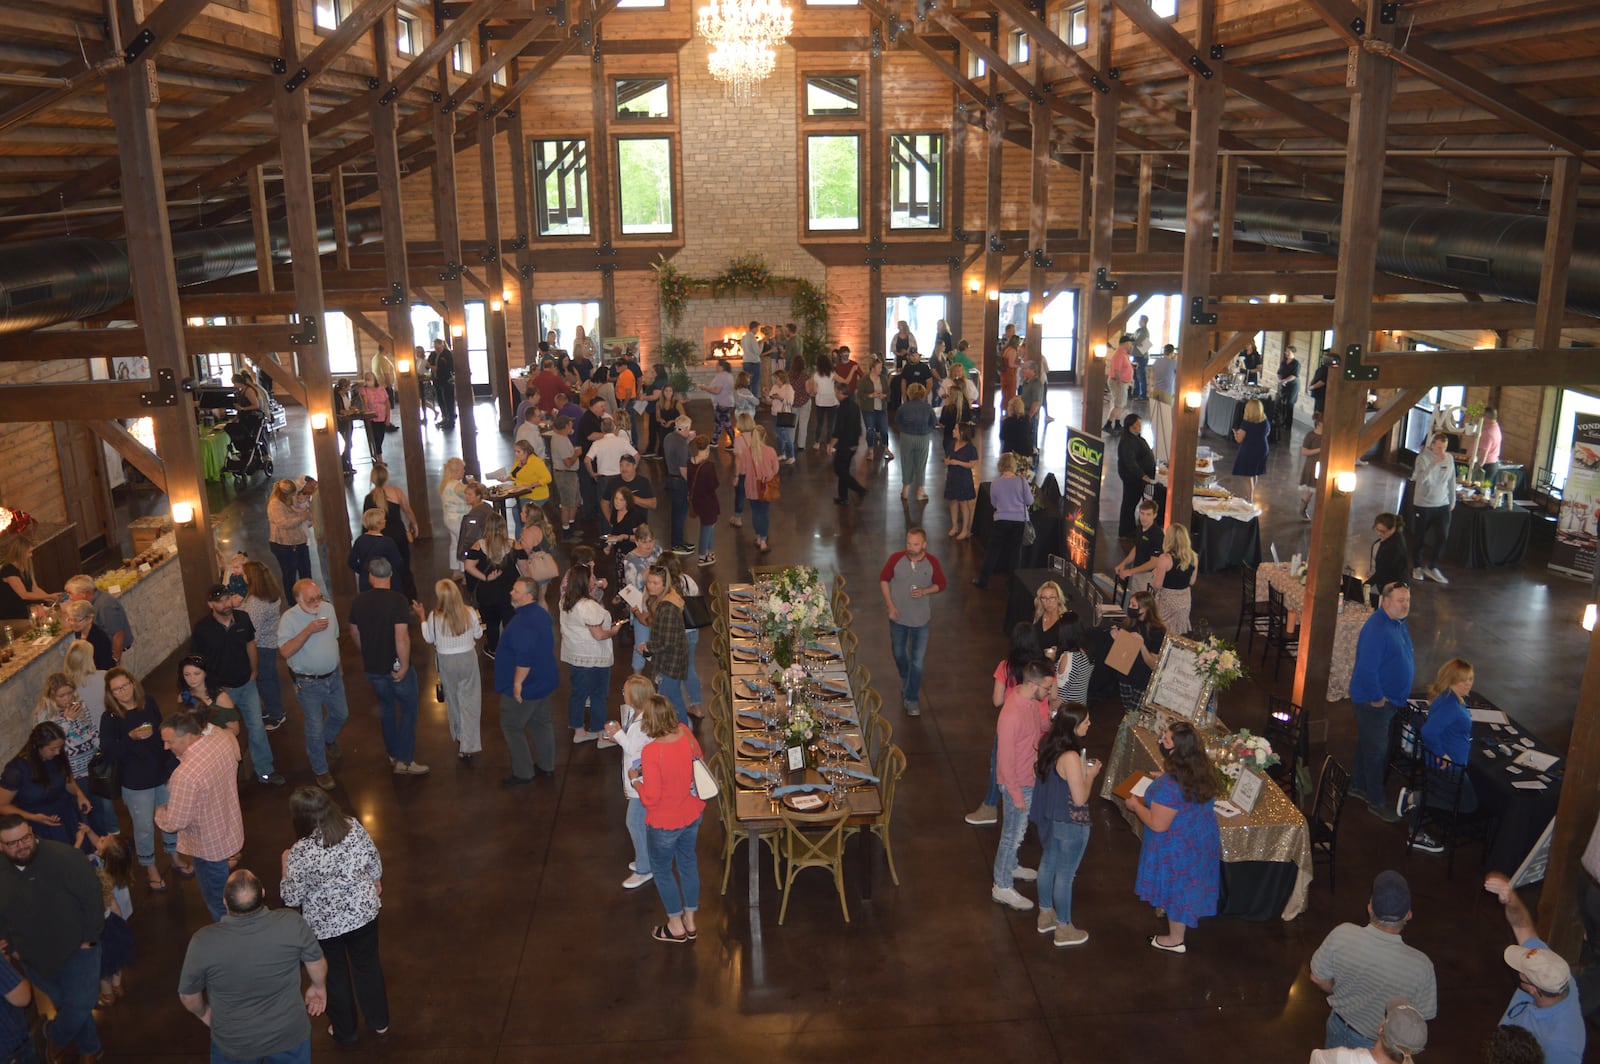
(248, 452)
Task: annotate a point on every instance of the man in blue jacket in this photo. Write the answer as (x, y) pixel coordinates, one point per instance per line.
(525, 673)
(1380, 683)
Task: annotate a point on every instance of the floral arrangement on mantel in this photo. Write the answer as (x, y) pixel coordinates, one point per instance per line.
(794, 607)
(809, 303)
(1219, 662)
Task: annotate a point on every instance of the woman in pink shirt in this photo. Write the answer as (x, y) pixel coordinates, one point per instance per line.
(375, 409)
(1023, 720)
(664, 779)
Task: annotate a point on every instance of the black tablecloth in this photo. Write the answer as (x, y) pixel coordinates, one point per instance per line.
(1049, 535)
(1256, 890)
(1223, 543)
(1224, 413)
(1481, 536)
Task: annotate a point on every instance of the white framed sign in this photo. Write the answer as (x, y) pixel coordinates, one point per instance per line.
(1246, 790)
(1177, 686)
(797, 758)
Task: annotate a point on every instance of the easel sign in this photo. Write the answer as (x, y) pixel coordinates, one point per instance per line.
(1246, 790)
(1177, 687)
(1533, 866)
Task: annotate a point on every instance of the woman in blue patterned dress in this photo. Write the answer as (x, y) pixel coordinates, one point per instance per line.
(1180, 866)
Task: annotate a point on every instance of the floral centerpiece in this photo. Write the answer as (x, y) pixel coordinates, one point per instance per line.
(1219, 663)
(1241, 750)
(794, 607)
(791, 678)
(800, 728)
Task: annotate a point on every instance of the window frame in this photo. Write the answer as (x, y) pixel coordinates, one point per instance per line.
(808, 76)
(674, 176)
(540, 201)
(1077, 14)
(645, 121)
(462, 61)
(407, 30)
(1173, 14)
(1019, 50)
(341, 11)
(810, 230)
(938, 187)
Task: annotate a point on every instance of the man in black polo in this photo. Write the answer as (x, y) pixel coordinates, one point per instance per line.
(444, 382)
(644, 494)
(51, 913)
(227, 640)
(591, 428)
(1138, 566)
(379, 623)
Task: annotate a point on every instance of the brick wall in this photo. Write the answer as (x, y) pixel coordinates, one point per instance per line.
(30, 477)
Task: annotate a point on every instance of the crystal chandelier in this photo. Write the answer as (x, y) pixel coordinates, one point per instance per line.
(744, 35)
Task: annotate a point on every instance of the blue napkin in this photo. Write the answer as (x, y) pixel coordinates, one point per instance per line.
(751, 654)
(836, 715)
(739, 626)
(756, 774)
(760, 744)
(845, 747)
(764, 692)
(803, 788)
(742, 596)
(834, 692)
(755, 714)
(818, 648)
(859, 774)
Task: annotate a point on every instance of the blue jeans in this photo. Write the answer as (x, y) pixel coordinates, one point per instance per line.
(141, 810)
(691, 682)
(74, 989)
(1059, 864)
(212, 877)
(319, 697)
(910, 645)
(761, 517)
(269, 686)
(589, 686)
(294, 561)
(992, 795)
(914, 460)
(739, 497)
(708, 537)
(397, 710)
(678, 489)
(641, 840)
(641, 636)
(1340, 1035)
(248, 700)
(102, 818)
(671, 689)
(785, 441)
(675, 847)
(300, 1054)
(1372, 750)
(754, 369)
(1013, 825)
(877, 422)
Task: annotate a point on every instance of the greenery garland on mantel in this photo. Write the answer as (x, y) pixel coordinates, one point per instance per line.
(809, 303)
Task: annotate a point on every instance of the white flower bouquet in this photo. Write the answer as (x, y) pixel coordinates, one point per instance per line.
(1219, 662)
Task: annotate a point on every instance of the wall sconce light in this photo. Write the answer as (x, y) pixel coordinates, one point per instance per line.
(1037, 319)
(994, 295)
(508, 295)
(458, 331)
(1099, 350)
(974, 286)
(1589, 616)
(1192, 400)
(183, 514)
(319, 422)
(1344, 483)
(403, 365)
(495, 305)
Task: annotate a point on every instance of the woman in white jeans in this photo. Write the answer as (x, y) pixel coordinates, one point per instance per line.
(452, 493)
(629, 735)
(454, 629)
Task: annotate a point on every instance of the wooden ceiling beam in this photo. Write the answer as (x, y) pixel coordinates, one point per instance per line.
(1378, 425)
(133, 452)
(438, 49)
(1013, 77)
(1520, 366)
(1406, 316)
(498, 59)
(51, 344)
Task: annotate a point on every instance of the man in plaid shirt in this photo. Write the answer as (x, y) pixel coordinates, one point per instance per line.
(203, 801)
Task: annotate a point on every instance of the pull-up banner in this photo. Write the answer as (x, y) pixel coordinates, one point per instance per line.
(1081, 499)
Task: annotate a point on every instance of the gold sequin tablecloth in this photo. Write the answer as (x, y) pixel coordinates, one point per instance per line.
(1274, 831)
(1352, 615)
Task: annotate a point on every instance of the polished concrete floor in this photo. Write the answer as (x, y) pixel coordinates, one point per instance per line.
(507, 936)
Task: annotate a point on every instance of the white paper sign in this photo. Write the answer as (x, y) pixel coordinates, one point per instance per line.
(1246, 790)
(797, 758)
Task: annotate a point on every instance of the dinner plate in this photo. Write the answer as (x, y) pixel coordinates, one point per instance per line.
(745, 749)
(806, 803)
(747, 784)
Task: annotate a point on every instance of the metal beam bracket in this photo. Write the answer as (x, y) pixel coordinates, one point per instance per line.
(520, 243)
(997, 245)
(452, 271)
(388, 98)
(1041, 260)
(279, 66)
(1103, 281)
(373, 83)
(1353, 369)
(1218, 51)
(1389, 14)
(1198, 315)
(396, 296)
(527, 270)
(876, 262)
(1358, 25)
(165, 395)
(605, 250)
(308, 334)
(298, 80)
(1199, 66)
(136, 47)
(489, 254)
(1099, 85)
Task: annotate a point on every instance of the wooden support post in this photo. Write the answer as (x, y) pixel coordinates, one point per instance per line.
(1038, 229)
(956, 298)
(604, 176)
(494, 320)
(877, 201)
(1227, 204)
(396, 264)
(1194, 337)
(1147, 176)
(1558, 237)
(1371, 81)
(341, 218)
(1097, 307)
(447, 225)
(522, 206)
(130, 97)
(292, 113)
(992, 262)
(1085, 195)
(135, 453)
(261, 226)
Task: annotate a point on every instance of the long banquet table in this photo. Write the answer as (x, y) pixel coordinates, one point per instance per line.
(754, 705)
(1266, 853)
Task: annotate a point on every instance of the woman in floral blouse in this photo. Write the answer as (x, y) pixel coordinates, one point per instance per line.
(335, 877)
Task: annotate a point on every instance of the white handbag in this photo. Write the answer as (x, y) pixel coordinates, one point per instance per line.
(705, 784)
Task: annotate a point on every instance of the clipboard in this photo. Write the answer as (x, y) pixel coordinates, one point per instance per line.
(1127, 787)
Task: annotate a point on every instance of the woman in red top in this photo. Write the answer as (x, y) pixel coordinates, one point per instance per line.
(664, 778)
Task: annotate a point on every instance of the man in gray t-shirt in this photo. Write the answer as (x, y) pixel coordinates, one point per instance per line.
(241, 976)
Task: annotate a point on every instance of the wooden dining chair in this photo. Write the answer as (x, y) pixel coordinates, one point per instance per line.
(863, 677)
(1253, 616)
(733, 832)
(893, 767)
(1285, 730)
(813, 840)
(869, 706)
(839, 591)
(879, 736)
(1281, 641)
(849, 642)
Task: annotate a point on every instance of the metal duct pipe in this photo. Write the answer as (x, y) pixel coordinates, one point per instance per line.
(45, 282)
(1482, 251)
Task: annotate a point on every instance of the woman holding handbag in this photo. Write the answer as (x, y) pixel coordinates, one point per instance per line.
(703, 496)
(535, 540)
(665, 780)
(453, 629)
(130, 739)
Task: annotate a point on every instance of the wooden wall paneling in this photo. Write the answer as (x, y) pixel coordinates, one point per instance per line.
(1372, 87)
(603, 174)
(89, 500)
(916, 96)
(955, 288)
(877, 198)
(447, 223)
(291, 112)
(522, 206)
(397, 312)
(494, 319)
(131, 100)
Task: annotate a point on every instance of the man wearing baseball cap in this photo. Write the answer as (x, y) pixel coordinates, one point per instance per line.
(1546, 1001)
(1363, 968)
(1402, 1034)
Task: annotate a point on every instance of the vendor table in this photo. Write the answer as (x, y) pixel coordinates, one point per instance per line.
(1520, 812)
(1481, 536)
(1266, 853)
(1225, 537)
(1225, 411)
(1352, 615)
(213, 452)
